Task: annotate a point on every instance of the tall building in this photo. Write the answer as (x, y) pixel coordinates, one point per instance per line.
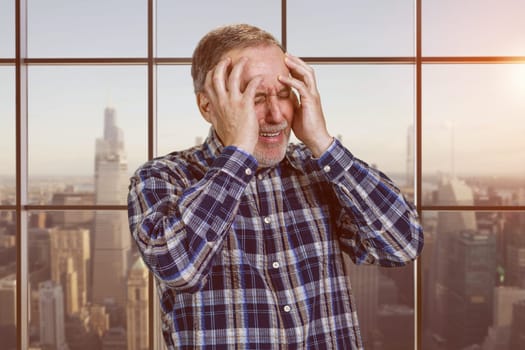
(8, 301)
(114, 339)
(70, 258)
(137, 307)
(504, 299)
(517, 333)
(499, 333)
(455, 192)
(515, 249)
(52, 327)
(469, 289)
(72, 218)
(112, 240)
(8, 311)
(364, 280)
(450, 191)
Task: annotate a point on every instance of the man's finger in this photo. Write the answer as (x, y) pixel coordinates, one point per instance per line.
(251, 88)
(219, 76)
(234, 80)
(300, 70)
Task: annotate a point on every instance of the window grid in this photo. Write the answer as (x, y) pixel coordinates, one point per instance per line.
(21, 208)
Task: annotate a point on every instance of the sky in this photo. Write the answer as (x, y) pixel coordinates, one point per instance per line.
(474, 112)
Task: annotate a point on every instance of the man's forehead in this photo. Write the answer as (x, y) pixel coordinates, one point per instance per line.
(260, 58)
(267, 62)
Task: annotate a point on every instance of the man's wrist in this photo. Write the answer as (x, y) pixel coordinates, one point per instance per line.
(321, 146)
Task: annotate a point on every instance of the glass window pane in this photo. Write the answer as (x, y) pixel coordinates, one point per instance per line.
(7, 28)
(181, 24)
(371, 109)
(473, 129)
(351, 28)
(473, 279)
(360, 121)
(384, 299)
(7, 136)
(79, 28)
(87, 129)
(8, 279)
(87, 281)
(473, 28)
(180, 124)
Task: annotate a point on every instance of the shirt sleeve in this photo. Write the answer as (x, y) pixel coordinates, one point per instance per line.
(178, 225)
(375, 222)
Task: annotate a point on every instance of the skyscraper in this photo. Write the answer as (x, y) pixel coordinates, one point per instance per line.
(72, 218)
(112, 240)
(469, 289)
(8, 301)
(8, 311)
(52, 328)
(364, 280)
(70, 257)
(137, 307)
(451, 191)
(517, 333)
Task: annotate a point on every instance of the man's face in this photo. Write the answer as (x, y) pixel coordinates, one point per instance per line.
(274, 101)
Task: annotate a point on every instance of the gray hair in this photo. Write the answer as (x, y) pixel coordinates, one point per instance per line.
(212, 47)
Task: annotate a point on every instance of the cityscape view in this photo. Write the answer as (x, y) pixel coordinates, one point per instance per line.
(439, 82)
(89, 287)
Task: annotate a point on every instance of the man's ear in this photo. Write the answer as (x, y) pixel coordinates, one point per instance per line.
(204, 105)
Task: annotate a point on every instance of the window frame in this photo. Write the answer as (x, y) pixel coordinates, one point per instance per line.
(21, 207)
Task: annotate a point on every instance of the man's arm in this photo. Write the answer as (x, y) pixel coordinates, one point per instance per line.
(179, 227)
(375, 222)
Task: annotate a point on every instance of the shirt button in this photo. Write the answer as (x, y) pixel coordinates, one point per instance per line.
(287, 308)
(327, 168)
(211, 236)
(248, 171)
(275, 265)
(267, 219)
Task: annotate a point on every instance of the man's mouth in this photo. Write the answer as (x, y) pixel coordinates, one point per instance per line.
(269, 134)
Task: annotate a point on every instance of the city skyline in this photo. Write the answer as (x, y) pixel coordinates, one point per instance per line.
(391, 297)
(473, 152)
(389, 300)
(87, 286)
(366, 103)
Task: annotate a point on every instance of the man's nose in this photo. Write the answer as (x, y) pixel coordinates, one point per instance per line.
(273, 110)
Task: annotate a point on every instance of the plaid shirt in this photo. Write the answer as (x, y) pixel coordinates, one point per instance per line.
(248, 258)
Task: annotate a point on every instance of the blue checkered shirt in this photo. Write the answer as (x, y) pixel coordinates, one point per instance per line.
(248, 258)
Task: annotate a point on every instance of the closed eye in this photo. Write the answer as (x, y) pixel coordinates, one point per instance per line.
(259, 98)
(283, 94)
(262, 97)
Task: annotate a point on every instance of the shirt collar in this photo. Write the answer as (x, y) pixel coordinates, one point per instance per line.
(296, 155)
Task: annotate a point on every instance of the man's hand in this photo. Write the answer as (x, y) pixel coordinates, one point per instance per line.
(309, 124)
(232, 112)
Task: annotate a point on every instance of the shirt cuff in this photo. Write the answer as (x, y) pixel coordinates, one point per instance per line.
(236, 163)
(335, 161)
